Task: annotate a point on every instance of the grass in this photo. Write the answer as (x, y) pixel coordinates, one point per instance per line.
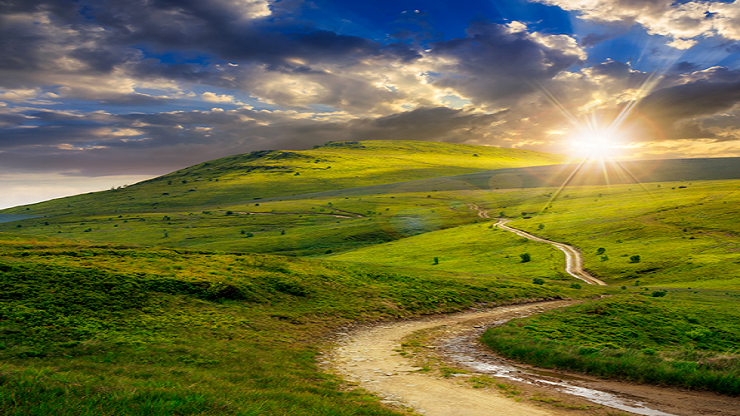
(266, 174)
(96, 329)
(476, 248)
(687, 339)
(303, 227)
(685, 237)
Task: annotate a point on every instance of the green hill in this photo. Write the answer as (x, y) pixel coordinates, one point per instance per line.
(118, 330)
(264, 174)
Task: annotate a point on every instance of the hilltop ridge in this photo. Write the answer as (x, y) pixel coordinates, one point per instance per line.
(274, 173)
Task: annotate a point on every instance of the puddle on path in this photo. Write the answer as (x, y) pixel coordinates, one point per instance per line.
(464, 351)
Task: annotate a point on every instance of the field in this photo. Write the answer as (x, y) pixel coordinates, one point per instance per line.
(680, 337)
(267, 174)
(95, 329)
(685, 234)
(166, 297)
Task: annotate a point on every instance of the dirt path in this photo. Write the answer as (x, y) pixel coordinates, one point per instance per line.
(369, 358)
(573, 259)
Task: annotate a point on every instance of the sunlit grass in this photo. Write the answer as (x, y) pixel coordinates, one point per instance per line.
(98, 329)
(684, 338)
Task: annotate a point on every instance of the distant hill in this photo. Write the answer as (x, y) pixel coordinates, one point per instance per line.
(590, 173)
(277, 173)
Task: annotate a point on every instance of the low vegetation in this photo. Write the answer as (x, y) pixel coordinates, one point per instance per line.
(686, 338)
(97, 329)
(667, 235)
(266, 174)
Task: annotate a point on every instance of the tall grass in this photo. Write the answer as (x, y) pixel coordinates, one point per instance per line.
(119, 330)
(688, 341)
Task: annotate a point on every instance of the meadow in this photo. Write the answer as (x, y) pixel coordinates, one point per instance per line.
(268, 174)
(110, 329)
(684, 338)
(684, 234)
(155, 299)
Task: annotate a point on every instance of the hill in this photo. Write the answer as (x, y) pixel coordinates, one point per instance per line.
(265, 174)
(120, 330)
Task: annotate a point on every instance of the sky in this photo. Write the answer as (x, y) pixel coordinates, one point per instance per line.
(97, 94)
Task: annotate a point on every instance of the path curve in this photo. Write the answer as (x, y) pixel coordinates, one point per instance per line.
(573, 259)
(370, 359)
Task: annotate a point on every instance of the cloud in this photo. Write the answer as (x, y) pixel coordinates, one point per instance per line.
(107, 144)
(496, 63)
(682, 21)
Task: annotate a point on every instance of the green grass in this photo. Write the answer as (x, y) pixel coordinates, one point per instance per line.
(265, 174)
(100, 329)
(685, 237)
(303, 227)
(476, 248)
(686, 338)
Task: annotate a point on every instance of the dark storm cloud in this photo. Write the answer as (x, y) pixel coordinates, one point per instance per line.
(495, 63)
(680, 108)
(39, 39)
(223, 30)
(593, 39)
(113, 144)
(685, 66)
(432, 124)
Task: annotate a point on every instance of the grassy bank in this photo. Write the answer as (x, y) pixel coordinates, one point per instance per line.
(302, 227)
(681, 338)
(685, 234)
(118, 330)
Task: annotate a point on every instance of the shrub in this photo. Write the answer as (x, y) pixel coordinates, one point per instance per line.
(635, 258)
(600, 250)
(575, 286)
(538, 281)
(526, 257)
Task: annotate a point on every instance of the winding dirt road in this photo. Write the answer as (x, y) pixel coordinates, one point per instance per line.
(370, 359)
(573, 259)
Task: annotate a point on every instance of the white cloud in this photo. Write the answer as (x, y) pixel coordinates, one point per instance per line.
(683, 22)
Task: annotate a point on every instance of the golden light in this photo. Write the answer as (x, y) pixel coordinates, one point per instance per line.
(596, 145)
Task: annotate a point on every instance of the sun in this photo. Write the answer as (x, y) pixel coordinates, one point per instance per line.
(596, 145)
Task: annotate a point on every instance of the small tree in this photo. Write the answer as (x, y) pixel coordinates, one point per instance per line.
(436, 260)
(526, 257)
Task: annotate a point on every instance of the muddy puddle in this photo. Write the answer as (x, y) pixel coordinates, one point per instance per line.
(466, 352)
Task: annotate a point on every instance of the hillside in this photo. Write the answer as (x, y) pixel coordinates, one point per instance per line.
(120, 330)
(264, 174)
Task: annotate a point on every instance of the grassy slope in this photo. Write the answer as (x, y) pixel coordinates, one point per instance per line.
(119, 330)
(266, 174)
(685, 338)
(298, 227)
(685, 237)
(474, 248)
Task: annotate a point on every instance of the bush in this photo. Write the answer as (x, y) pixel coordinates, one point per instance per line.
(600, 251)
(526, 257)
(575, 286)
(635, 258)
(539, 281)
